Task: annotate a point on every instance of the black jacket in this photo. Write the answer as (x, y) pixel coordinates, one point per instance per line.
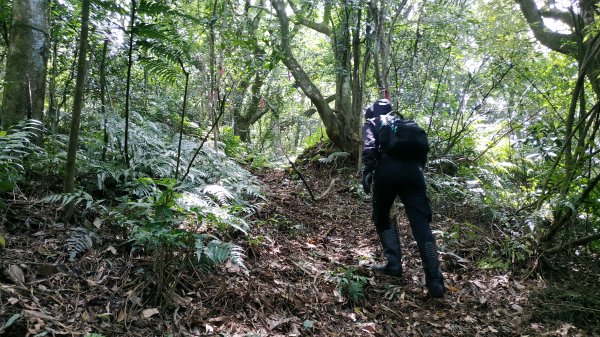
(371, 153)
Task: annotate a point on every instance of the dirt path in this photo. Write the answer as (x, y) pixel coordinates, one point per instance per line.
(305, 261)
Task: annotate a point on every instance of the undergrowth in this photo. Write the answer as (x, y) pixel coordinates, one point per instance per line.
(179, 223)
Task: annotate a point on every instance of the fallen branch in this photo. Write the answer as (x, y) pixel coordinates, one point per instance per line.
(312, 196)
(324, 194)
(575, 243)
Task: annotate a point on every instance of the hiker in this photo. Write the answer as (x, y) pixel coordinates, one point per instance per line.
(399, 172)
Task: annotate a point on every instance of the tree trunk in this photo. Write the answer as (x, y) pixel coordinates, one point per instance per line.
(340, 123)
(254, 111)
(52, 108)
(128, 91)
(77, 107)
(103, 98)
(26, 65)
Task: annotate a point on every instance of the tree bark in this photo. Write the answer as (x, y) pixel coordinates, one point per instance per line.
(254, 111)
(128, 91)
(26, 64)
(562, 43)
(103, 99)
(341, 123)
(77, 107)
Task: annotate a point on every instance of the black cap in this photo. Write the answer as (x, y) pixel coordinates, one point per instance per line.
(380, 107)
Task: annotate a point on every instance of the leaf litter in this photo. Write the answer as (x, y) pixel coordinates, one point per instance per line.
(292, 287)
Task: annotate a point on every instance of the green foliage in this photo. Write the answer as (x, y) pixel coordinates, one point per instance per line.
(320, 136)
(9, 322)
(334, 157)
(80, 241)
(77, 197)
(160, 225)
(15, 145)
(350, 284)
(234, 147)
(492, 261)
(161, 222)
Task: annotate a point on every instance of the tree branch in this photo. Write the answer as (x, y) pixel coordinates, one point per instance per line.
(562, 43)
(307, 86)
(321, 27)
(311, 111)
(555, 14)
(575, 243)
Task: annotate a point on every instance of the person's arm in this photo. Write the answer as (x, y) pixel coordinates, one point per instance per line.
(370, 151)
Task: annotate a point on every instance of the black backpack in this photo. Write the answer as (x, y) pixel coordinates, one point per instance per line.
(402, 138)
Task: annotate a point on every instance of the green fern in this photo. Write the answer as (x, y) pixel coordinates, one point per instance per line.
(77, 197)
(350, 284)
(217, 252)
(220, 193)
(80, 241)
(15, 145)
(334, 157)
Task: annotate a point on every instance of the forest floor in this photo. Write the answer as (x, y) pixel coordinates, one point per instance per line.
(305, 260)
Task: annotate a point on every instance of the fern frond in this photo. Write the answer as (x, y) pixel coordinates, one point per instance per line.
(217, 252)
(76, 197)
(219, 192)
(334, 157)
(80, 241)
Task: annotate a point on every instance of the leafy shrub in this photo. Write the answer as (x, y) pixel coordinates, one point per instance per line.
(234, 147)
(320, 136)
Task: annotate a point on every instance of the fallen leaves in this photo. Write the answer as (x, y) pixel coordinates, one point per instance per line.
(147, 313)
(285, 293)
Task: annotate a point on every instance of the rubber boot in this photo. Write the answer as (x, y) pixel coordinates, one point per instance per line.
(434, 280)
(392, 252)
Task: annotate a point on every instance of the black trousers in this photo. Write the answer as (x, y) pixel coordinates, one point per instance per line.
(400, 178)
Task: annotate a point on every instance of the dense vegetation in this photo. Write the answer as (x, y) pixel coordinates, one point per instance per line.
(151, 119)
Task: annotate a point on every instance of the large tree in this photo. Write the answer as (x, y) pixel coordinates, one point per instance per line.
(340, 24)
(573, 177)
(26, 65)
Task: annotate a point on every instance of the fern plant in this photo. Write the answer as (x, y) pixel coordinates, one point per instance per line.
(170, 232)
(334, 157)
(15, 145)
(350, 284)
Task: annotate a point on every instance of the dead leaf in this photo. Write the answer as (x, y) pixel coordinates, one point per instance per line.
(276, 321)
(147, 313)
(46, 270)
(369, 328)
(112, 250)
(13, 300)
(37, 314)
(16, 274)
(452, 289)
(209, 328)
(97, 222)
(479, 284)
(122, 315)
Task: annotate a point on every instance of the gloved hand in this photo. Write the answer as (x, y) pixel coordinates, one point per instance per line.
(367, 181)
